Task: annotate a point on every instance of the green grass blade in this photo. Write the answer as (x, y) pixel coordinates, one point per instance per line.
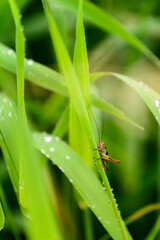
(150, 97)
(69, 73)
(81, 67)
(80, 60)
(9, 214)
(61, 127)
(76, 97)
(142, 212)
(108, 23)
(82, 178)
(154, 231)
(109, 108)
(44, 223)
(20, 49)
(34, 72)
(1, 217)
(49, 79)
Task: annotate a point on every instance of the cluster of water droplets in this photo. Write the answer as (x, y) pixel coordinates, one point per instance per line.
(21, 185)
(49, 153)
(3, 109)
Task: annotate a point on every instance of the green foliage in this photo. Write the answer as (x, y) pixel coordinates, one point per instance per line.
(34, 187)
(56, 184)
(108, 23)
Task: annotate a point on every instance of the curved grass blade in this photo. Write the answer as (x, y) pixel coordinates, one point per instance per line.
(150, 97)
(109, 108)
(82, 178)
(142, 212)
(77, 99)
(106, 22)
(17, 139)
(34, 72)
(1, 217)
(51, 80)
(154, 231)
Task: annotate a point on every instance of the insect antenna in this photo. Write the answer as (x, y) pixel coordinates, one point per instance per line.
(95, 121)
(102, 132)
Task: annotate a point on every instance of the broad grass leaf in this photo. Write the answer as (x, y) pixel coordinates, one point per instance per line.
(49, 79)
(83, 179)
(17, 139)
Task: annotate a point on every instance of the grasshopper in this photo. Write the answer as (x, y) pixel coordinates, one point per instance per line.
(104, 155)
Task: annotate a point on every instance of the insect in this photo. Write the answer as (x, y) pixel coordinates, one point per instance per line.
(105, 158)
(104, 155)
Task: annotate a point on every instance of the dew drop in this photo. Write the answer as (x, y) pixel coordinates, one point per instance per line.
(48, 138)
(47, 155)
(57, 138)
(114, 199)
(111, 189)
(103, 188)
(99, 218)
(141, 83)
(10, 52)
(157, 103)
(93, 206)
(116, 205)
(107, 222)
(21, 185)
(42, 151)
(30, 62)
(109, 201)
(4, 100)
(61, 169)
(71, 180)
(51, 149)
(9, 114)
(67, 157)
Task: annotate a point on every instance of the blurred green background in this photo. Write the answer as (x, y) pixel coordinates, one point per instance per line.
(135, 180)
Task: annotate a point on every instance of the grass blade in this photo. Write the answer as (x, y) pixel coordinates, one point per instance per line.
(8, 214)
(35, 193)
(82, 178)
(61, 127)
(108, 23)
(150, 97)
(81, 68)
(109, 108)
(79, 104)
(20, 49)
(50, 79)
(142, 212)
(1, 217)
